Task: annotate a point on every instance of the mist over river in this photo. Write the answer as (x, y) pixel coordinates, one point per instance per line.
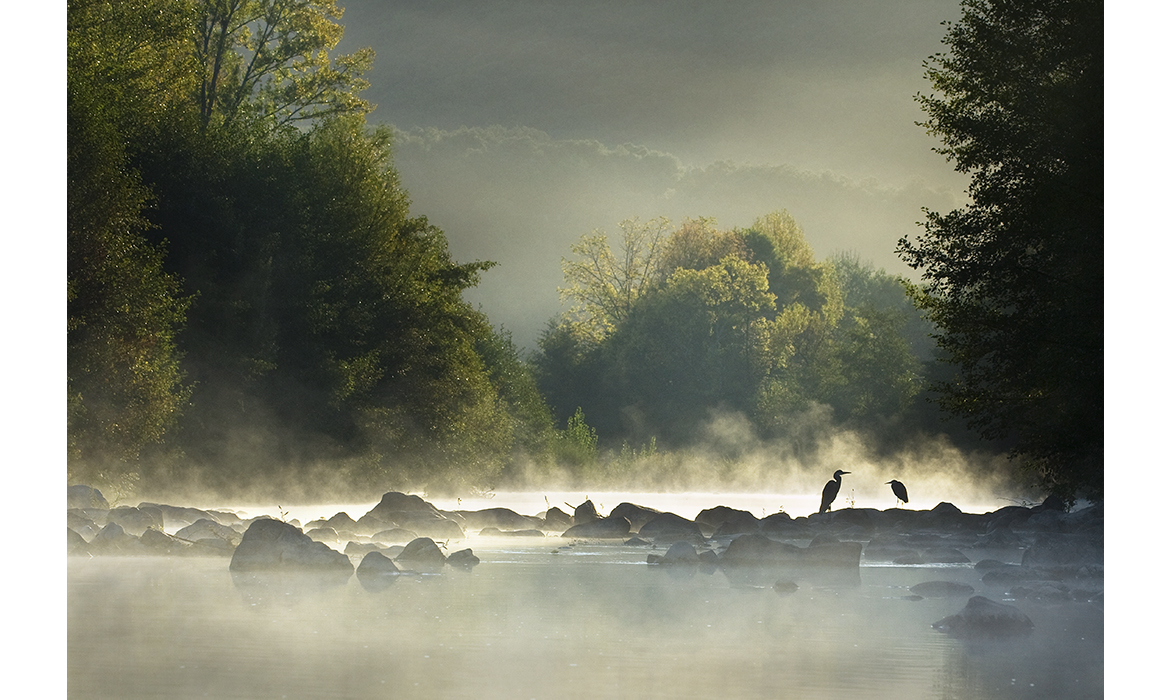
(557, 617)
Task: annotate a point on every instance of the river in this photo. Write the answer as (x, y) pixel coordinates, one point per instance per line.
(551, 618)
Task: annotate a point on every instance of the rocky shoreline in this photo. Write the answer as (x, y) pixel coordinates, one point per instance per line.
(1041, 553)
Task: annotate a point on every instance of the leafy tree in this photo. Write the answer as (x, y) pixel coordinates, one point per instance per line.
(605, 285)
(1014, 280)
(125, 386)
(270, 59)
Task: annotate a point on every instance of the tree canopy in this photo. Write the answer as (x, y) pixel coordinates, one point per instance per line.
(1015, 280)
(741, 320)
(254, 305)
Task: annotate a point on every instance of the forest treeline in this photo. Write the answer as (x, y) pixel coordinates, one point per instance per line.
(254, 308)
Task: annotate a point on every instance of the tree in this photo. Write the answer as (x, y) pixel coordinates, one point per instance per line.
(605, 286)
(270, 59)
(1015, 280)
(126, 68)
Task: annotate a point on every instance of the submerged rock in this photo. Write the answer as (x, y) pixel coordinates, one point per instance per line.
(273, 545)
(941, 589)
(985, 618)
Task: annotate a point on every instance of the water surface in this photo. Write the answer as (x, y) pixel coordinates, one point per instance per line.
(543, 618)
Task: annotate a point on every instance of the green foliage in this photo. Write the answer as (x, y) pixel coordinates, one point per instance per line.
(1014, 281)
(269, 60)
(325, 331)
(576, 445)
(602, 284)
(125, 386)
(707, 332)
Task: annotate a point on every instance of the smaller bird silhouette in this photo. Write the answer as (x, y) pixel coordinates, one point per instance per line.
(899, 491)
(831, 490)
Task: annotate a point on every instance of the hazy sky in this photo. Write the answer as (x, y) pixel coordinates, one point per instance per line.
(530, 123)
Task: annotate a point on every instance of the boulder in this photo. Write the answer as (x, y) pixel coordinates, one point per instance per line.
(585, 513)
(80, 524)
(613, 526)
(985, 618)
(758, 550)
(842, 554)
(113, 540)
(728, 521)
(941, 589)
(272, 545)
(637, 515)
(157, 542)
(670, 527)
(77, 547)
(422, 555)
(135, 521)
(341, 522)
(412, 513)
(177, 516)
(376, 571)
(785, 587)
(463, 559)
(360, 549)
(323, 534)
(556, 520)
(206, 529)
(680, 553)
(83, 497)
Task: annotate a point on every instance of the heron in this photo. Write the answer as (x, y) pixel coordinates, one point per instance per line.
(899, 491)
(831, 490)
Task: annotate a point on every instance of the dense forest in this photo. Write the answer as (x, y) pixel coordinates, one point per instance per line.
(254, 308)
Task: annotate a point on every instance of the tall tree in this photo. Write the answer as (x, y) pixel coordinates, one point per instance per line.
(270, 59)
(604, 285)
(127, 68)
(1015, 280)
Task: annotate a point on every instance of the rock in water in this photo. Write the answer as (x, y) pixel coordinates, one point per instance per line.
(609, 527)
(463, 559)
(82, 496)
(272, 545)
(941, 589)
(422, 555)
(985, 618)
(376, 571)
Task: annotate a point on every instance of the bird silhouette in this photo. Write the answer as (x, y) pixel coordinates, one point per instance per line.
(831, 490)
(899, 491)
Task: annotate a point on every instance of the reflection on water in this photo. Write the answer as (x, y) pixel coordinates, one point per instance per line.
(540, 619)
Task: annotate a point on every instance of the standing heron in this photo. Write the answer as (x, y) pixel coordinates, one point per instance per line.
(831, 490)
(899, 491)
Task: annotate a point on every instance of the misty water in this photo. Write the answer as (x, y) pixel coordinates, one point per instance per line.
(549, 617)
